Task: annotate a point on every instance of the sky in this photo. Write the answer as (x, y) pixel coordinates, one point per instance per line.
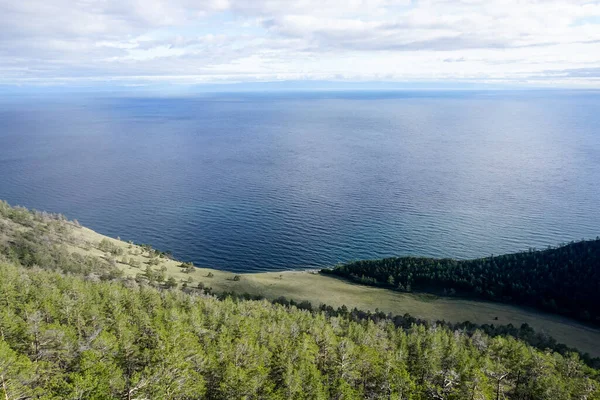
(140, 43)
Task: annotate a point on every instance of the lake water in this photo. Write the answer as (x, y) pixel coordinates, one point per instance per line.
(249, 182)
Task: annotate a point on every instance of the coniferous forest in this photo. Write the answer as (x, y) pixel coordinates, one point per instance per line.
(66, 337)
(564, 280)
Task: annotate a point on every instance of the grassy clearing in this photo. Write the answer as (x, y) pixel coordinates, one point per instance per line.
(316, 288)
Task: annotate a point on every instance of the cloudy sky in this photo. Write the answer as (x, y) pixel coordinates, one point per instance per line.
(183, 42)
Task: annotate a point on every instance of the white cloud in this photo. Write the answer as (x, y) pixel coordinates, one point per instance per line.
(554, 41)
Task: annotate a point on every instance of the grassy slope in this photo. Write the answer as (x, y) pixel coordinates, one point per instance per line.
(304, 285)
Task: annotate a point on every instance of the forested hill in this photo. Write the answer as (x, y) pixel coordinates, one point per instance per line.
(70, 337)
(565, 280)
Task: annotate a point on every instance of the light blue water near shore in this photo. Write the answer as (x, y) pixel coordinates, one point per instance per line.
(250, 182)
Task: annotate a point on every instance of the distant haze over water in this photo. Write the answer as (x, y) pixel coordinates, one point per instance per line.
(249, 182)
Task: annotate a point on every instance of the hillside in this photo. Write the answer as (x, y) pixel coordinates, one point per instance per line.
(51, 241)
(77, 337)
(564, 280)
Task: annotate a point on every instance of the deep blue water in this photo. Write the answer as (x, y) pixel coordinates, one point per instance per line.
(250, 182)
